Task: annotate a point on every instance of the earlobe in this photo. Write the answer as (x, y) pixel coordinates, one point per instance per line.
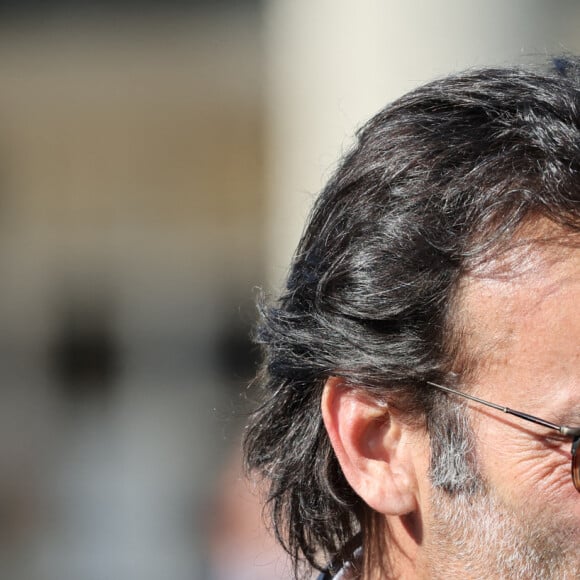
(372, 446)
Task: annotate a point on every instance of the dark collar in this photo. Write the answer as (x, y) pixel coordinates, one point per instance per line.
(348, 559)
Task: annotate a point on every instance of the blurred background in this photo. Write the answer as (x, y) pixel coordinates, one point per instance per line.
(157, 161)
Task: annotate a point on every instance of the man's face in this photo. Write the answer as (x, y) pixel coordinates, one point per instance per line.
(521, 319)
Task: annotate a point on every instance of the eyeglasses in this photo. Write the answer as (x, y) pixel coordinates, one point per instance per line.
(573, 432)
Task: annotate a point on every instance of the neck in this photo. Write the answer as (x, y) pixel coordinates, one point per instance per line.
(402, 556)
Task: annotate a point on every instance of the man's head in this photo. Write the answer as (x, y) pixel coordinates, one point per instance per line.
(445, 249)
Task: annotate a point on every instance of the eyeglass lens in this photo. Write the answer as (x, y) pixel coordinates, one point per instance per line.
(576, 463)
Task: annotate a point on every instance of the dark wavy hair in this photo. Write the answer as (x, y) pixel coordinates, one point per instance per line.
(439, 180)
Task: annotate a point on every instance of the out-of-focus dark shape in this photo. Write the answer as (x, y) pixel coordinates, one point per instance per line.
(236, 354)
(85, 354)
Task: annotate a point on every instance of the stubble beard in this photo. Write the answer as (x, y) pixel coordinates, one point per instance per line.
(475, 535)
(471, 533)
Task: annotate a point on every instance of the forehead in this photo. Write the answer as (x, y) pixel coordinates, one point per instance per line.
(518, 314)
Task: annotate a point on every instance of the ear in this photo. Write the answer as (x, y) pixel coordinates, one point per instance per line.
(373, 447)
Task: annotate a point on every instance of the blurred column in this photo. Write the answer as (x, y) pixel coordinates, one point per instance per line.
(331, 64)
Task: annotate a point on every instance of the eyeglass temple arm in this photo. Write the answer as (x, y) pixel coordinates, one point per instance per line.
(563, 429)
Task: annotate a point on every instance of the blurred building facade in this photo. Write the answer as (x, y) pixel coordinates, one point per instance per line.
(131, 196)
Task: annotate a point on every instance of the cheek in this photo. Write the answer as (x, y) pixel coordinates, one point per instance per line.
(526, 467)
(547, 472)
